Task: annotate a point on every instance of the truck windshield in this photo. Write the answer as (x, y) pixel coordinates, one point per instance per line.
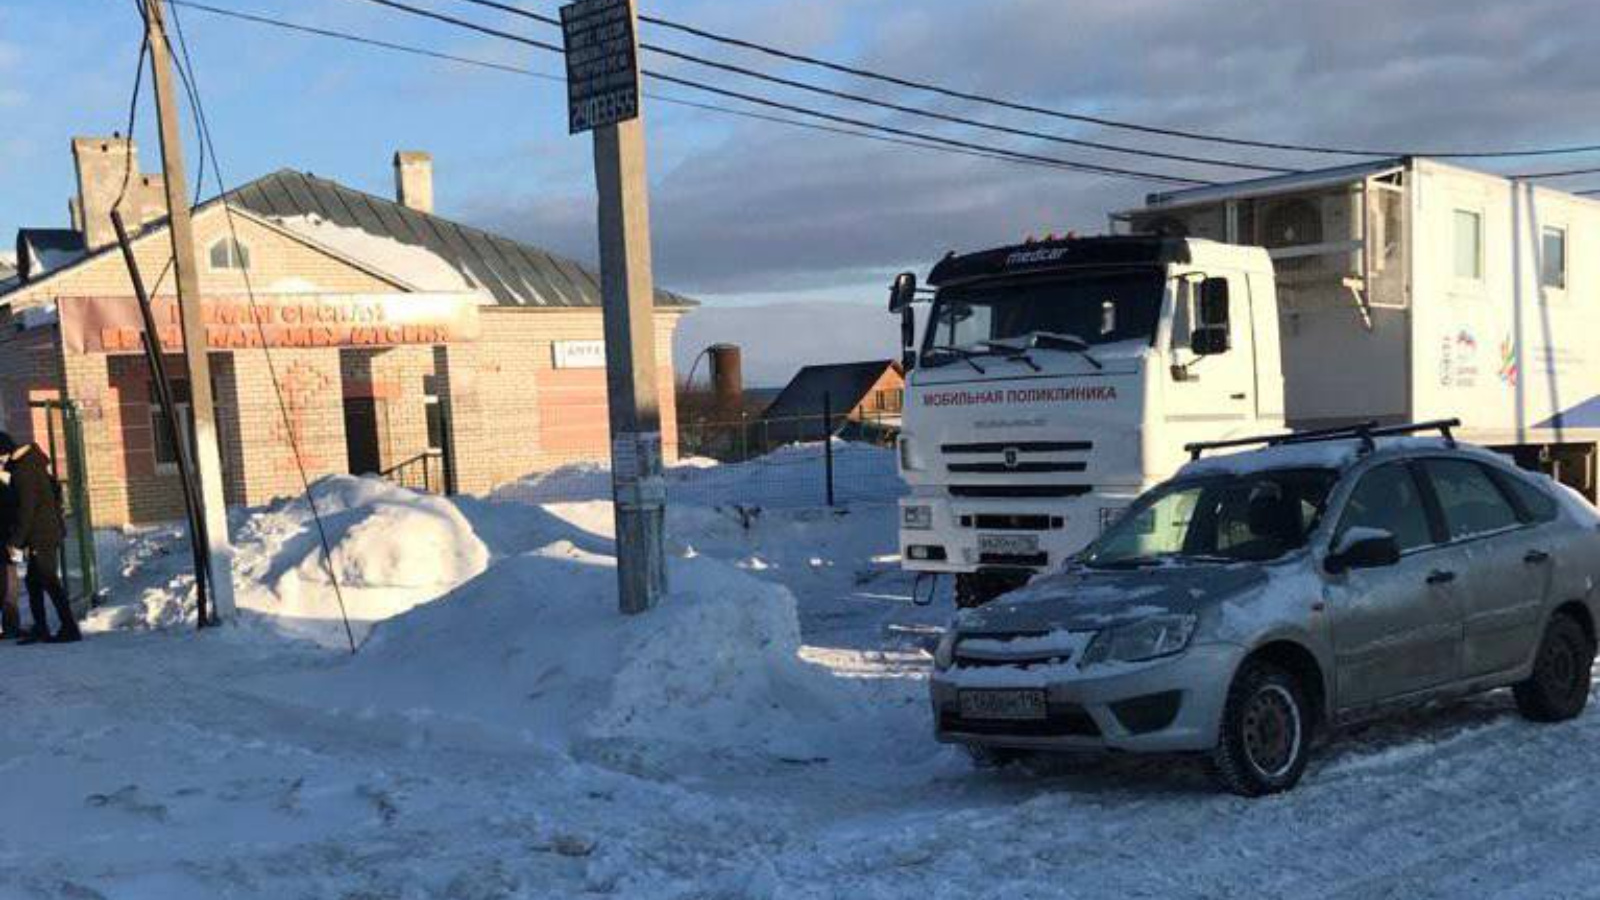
(1228, 518)
(1096, 309)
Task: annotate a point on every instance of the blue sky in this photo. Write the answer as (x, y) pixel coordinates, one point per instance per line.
(748, 212)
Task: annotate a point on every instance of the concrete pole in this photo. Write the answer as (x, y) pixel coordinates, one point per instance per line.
(628, 293)
(208, 459)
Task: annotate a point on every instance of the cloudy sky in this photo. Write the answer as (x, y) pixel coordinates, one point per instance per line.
(750, 212)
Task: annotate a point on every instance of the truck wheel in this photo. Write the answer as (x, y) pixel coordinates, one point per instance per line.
(1266, 731)
(1558, 689)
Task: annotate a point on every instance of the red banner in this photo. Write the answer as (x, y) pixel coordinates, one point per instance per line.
(113, 325)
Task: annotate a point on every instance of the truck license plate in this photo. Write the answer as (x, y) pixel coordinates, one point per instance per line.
(1009, 544)
(1002, 704)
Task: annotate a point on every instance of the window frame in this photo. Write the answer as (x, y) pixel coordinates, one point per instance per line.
(1566, 245)
(236, 255)
(1438, 536)
(1479, 275)
(1437, 507)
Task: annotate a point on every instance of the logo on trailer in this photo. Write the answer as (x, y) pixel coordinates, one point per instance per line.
(1010, 454)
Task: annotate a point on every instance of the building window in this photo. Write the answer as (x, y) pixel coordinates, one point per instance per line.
(1553, 258)
(228, 253)
(1469, 245)
(166, 452)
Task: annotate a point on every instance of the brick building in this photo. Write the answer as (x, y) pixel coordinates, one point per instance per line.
(396, 338)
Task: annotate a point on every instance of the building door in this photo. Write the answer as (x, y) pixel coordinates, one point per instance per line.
(361, 435)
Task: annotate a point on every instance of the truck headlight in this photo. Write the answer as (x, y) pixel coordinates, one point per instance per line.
(944, 655)
(916, 518)
(911, 455)
(1151, 638)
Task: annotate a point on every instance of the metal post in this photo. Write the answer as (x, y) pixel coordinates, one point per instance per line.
(208, 459)
(827, 441)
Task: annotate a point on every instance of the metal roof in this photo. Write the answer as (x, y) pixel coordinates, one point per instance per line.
(516, 274)
(845, 384)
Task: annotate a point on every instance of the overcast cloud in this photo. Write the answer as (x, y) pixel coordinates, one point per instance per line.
(769, 208)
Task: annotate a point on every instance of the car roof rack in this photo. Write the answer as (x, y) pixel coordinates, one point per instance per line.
(1365, 432)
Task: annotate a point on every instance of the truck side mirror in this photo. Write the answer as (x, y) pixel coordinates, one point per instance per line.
(1209, 340)
(1214, 302)
(903, 292)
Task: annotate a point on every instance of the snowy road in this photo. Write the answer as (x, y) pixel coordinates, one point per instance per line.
(158, 764)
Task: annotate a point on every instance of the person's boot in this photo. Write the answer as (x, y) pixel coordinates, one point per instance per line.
(37, 636)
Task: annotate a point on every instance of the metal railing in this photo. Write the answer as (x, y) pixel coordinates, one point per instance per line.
(423, 472)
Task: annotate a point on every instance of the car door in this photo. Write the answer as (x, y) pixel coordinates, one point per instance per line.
(1396, 629)
(1505, 564)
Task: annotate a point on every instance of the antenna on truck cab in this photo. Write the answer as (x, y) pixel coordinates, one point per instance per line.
(1365, 432)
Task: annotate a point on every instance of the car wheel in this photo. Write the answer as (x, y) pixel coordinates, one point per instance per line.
(1266, 732)
(1558, 689)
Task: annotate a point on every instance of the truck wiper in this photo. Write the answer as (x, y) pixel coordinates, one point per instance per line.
(960, 353)
(1011, 352)
(1071, 343)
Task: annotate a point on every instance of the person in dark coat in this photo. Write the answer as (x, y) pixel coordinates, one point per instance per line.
(35, 538)
(10, 589)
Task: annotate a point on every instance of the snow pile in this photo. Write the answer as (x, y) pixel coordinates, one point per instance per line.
(416, 266)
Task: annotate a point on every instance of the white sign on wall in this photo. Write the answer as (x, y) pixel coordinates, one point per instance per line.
(578, 354)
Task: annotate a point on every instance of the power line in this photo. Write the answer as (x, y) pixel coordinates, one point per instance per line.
(133, 118)
(763, 101)
(545, 76)
(901, 108)
(1080, 117)
(1562, 174)
(186, 69)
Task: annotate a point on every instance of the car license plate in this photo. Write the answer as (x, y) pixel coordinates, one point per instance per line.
(1009, 544)
(1002, 704)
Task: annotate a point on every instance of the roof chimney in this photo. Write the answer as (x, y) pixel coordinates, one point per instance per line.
(413, 180)
(102, 163)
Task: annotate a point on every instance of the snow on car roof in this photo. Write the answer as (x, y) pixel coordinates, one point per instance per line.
(1334, 454)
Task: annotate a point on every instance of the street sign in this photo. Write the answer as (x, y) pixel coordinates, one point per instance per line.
(602, 67)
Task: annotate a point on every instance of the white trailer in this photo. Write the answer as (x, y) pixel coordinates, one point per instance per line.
(1395, 291)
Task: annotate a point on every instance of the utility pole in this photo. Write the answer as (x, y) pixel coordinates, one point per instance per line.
(603, 97)
(208, 460)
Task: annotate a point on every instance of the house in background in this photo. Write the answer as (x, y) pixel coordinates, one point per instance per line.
(400, 342)
(865, 400)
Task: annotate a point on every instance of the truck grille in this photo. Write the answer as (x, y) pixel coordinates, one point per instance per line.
(1020, 467)
(1009, 491)
(1020, 447)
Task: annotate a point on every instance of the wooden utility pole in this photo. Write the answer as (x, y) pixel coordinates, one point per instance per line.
(208, 460)
(603, 97)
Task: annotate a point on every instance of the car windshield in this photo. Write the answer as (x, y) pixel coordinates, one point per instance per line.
(1253, 516)
(1100, 308)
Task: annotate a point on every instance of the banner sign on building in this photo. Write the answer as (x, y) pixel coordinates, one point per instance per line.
(602, 72)
(578, 354)
(112, 324)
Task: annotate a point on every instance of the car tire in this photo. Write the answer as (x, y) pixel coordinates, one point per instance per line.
(1558, 688)
(1265, 738)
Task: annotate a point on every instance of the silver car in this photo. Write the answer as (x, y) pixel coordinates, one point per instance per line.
(1260, 597)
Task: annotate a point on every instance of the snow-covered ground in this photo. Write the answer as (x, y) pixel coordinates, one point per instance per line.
(503, 732)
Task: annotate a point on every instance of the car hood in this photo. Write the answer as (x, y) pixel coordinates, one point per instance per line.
(1090, 600)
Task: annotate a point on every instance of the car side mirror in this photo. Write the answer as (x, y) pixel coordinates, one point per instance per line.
(1363, 548)
(1209, 340)
(903, 292)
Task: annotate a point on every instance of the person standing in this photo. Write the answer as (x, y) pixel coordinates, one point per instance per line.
(35, 539)
(10, 615)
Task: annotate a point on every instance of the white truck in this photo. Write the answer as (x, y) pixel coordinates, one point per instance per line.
(1055, 380)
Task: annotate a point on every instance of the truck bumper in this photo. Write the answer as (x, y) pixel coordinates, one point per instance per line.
(968, 535)
(1168, 706)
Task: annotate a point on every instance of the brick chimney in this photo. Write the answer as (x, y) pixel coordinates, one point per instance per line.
(101, 163)
(413, 180)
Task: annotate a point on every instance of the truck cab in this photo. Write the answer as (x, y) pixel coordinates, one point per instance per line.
(1056, 380)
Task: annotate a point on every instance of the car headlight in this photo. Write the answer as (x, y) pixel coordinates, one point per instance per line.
(916, 518)
(944, 655)
(1151, 638)
(911, 455)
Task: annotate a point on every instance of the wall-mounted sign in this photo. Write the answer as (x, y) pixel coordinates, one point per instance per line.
(112, 324)
(602, 72)
(578, 354)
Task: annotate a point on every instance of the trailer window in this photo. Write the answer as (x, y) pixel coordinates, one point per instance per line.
(1468, 244)
(1553, 258)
